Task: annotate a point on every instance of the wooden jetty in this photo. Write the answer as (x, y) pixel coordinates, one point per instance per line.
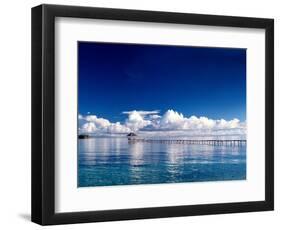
(191, 142)
(133, 138)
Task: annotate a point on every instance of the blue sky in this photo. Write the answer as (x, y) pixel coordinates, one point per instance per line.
(200, 81)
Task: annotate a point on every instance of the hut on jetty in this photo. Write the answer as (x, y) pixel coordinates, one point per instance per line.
(131, 136)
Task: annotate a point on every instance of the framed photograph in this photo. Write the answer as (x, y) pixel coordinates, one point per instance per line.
(141, 114)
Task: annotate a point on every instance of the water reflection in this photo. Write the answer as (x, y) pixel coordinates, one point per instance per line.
(113, 161)
(136, 156)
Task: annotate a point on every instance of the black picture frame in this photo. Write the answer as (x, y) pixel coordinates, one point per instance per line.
(43, 114)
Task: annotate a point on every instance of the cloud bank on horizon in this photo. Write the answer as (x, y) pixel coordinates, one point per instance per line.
(152, 123)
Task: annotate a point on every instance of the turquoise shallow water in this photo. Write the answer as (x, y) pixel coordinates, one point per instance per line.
(113, 161)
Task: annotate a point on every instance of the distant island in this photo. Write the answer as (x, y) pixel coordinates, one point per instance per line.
(84, 136)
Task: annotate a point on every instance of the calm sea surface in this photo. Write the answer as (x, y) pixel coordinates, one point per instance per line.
(113, 161)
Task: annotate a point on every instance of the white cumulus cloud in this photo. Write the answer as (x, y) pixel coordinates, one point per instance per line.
(171, 122)
(136, 119)
(117, 128)
(93, 124)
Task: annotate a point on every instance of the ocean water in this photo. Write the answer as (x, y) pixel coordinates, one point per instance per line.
(114, 161)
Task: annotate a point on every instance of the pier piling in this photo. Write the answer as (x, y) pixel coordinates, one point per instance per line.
(192, 142)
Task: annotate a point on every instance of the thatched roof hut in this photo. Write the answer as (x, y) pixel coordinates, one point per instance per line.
(131, 135)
